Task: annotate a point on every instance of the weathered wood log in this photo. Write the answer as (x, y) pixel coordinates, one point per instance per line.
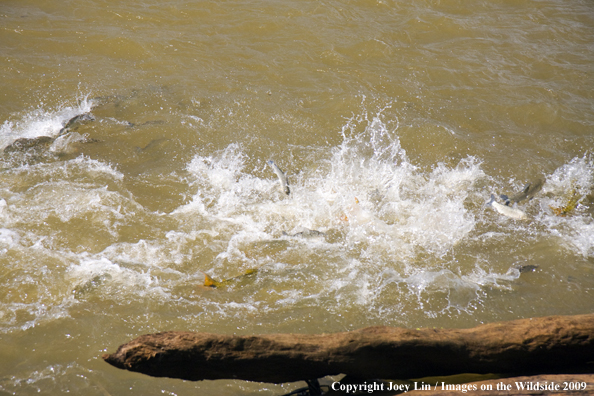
(553, 344)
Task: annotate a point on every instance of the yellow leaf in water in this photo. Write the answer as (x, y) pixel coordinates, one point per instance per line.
(209, 282)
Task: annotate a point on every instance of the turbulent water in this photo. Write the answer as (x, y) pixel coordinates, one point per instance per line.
(394, 122)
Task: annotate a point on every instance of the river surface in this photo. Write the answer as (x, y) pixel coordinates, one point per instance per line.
(394, 121)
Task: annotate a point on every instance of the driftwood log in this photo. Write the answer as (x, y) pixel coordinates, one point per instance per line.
(548, 345)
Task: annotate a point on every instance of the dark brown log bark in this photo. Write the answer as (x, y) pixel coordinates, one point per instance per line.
(528, 346)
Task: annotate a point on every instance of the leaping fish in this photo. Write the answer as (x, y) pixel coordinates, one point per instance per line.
(282, 178)
(506, 210)
(527, 192)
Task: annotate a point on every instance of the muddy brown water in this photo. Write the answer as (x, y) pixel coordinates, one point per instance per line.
(394, 121)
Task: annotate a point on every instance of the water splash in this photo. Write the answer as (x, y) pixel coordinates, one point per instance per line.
(575, 178)
(377, 211)
(394, 240)
(42, 122)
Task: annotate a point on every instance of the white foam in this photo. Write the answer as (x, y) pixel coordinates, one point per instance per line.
(391, 230)
(49, 379)
(382, 208)
(576, 229)
(67, 190)
(8, 237)
(582, 237)
(99, 274)
(80, 169)
(38, 312)
(577, 175)
(64, 144)
(150, 254)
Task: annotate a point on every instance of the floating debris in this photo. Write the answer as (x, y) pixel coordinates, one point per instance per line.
(210, 282)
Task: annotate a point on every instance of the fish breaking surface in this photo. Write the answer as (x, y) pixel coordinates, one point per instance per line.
(506, 210)
(282, 178)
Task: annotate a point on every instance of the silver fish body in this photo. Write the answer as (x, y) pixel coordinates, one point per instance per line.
(506, 210)
(282, 178)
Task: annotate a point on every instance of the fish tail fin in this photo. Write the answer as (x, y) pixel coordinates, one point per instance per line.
(490, 203)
